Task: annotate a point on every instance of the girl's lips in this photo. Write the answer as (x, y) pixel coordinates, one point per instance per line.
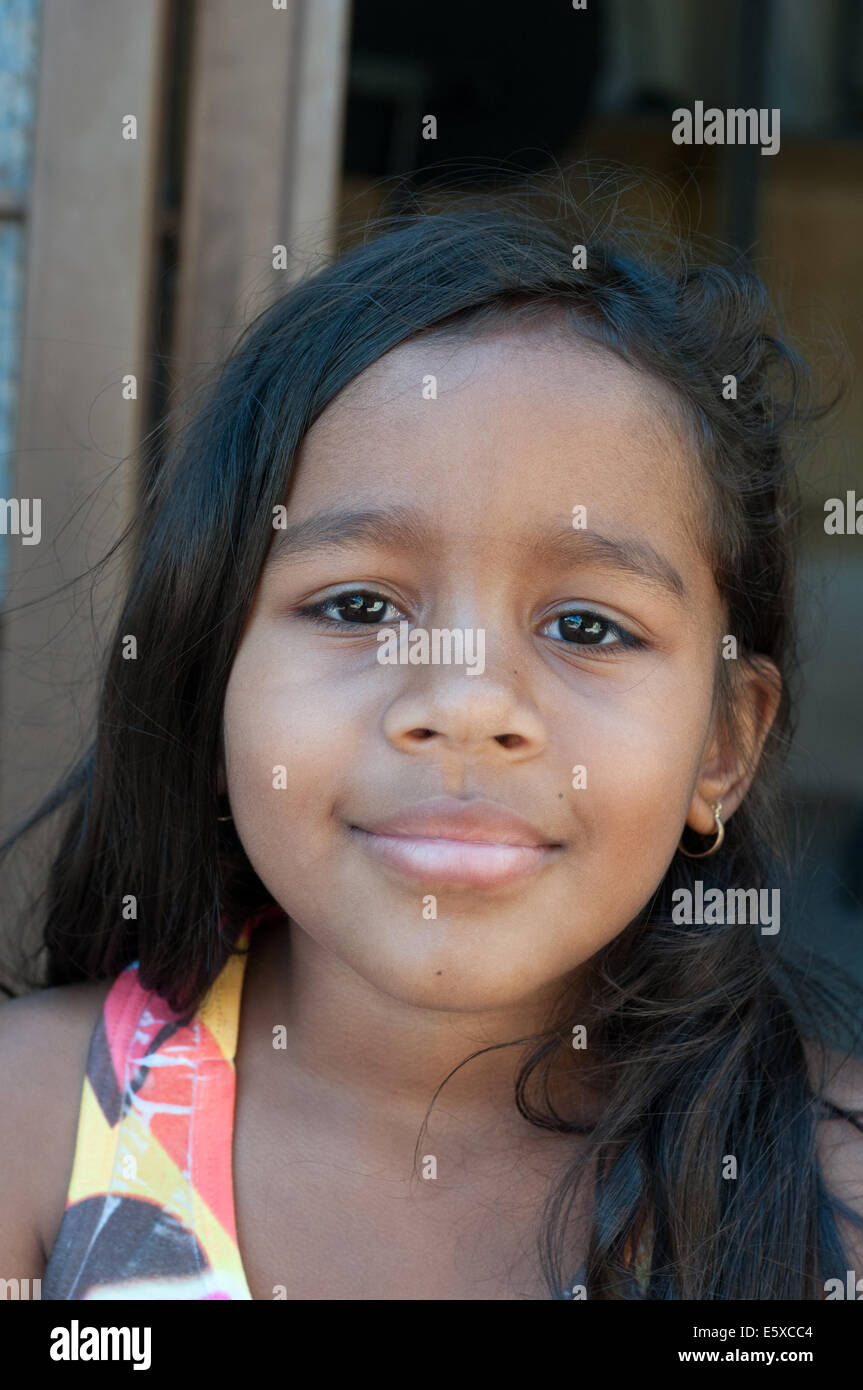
(474, 863)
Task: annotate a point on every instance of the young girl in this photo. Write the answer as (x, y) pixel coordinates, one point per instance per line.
(453, 674)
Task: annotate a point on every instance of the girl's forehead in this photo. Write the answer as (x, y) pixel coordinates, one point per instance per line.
(510, 422)
(508, 357)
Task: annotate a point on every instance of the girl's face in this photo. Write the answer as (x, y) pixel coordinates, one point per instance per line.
(588, 712)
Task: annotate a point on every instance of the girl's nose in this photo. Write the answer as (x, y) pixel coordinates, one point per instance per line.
(467, 714)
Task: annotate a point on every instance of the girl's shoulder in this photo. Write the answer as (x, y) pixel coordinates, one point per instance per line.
(44, 1045)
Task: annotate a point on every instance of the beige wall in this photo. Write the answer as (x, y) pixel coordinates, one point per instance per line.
(88, 292)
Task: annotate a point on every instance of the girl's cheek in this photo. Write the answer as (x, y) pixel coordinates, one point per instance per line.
(290, 740)
(633, 764)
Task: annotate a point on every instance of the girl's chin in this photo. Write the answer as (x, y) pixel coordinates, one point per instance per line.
(478, 978)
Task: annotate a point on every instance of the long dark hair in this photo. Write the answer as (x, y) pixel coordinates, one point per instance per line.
(696, 1038)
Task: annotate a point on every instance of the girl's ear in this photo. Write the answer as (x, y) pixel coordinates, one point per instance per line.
(732, 753)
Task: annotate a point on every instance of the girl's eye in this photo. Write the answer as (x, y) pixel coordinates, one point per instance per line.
(583, 628)
(359, 606)
(363, 608)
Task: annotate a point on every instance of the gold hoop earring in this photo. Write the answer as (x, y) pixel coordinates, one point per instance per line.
(224, 817)
(720, 836)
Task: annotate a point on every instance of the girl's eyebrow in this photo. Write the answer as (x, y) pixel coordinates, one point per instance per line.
(399, 528)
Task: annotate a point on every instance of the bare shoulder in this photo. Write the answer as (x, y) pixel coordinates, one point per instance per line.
(840, 1140)
(44, 1041)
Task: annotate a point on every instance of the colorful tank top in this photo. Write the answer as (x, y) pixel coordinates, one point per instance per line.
(150, 1207)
